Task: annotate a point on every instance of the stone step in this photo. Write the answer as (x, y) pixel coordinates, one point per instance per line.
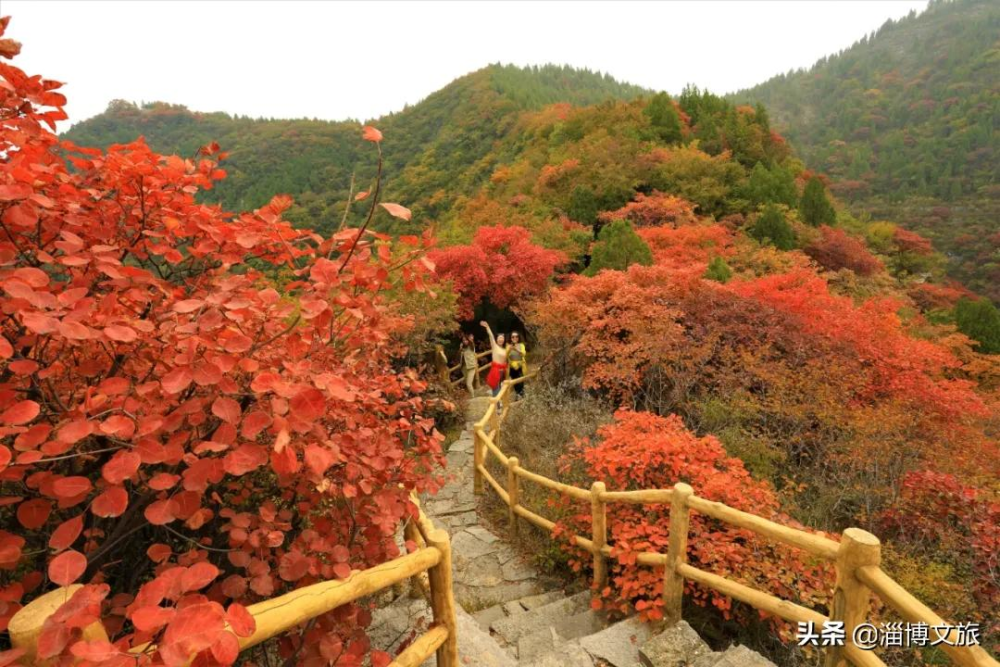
(619, 644)
(559, 631)
(734, 656)
(677, 646)
(540, 600)
(476, 407)
(512, 628)
(566, 654)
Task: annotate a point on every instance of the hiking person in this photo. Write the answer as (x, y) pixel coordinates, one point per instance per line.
(498, 369)
(517, 360)
(470, 364)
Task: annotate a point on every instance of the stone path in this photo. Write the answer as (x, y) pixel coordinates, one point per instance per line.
(487, 570)
(509, 614)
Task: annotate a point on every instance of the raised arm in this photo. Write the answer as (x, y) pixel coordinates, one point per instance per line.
(489, 332)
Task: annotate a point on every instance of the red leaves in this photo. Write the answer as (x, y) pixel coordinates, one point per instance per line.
(66, 533)
(67, 567)
(21, 412)
(146, 397)
(159, 513)
(152, 618)
(195, 628)
(112, 502)
(120, 333)
(397, 211)
(308, 404)
(122, 466)
(198, 576)
(227, 410)
(71, 487)
(240, 620)
(177, 380)
(75, 431)
(502, 264)
(95, 651)
(32, 514)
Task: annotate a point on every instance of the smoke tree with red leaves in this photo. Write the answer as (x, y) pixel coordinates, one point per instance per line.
(501, 264)
(836, 250)
(653, 210)
(641, 450)
(180, 435)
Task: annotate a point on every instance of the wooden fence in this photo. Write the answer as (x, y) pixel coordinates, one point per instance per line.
(856, 556)
(428, 568)
(445, 372)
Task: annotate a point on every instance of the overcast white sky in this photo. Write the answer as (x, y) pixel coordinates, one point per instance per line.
(338, 60)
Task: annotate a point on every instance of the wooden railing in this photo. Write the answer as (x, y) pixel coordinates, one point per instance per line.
(428, 568)
(856, 556)
(445, 371)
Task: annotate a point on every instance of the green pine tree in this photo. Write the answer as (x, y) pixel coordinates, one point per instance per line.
(618, 247)
(980, 321)
(771, 227)
(664, 118)
(718, 270)
(582, 206)
(816, 208)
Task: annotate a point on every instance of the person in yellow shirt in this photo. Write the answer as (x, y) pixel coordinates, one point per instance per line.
(517, 360)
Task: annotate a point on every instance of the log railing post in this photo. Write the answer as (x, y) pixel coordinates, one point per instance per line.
(478, 456)
(495, 418)
(441, 363)
(514, 495)
(443, 597)
(852, 598)
(412, 534)
(599, 533)
(673, 583)
(26, 625)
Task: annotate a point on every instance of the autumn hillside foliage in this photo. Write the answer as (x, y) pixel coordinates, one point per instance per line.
(198, 410)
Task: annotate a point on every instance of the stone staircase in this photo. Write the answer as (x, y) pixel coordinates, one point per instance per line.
(520, 616)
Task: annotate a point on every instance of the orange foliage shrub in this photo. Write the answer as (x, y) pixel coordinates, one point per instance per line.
(644, 451)
(501, 264)
(177, 435)
(836, 250)
(653, 211)
(688, 248)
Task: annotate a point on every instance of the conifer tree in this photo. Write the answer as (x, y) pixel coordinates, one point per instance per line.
(771, 227)
(664, 118)
(980, 321)
(816, 208)
(718, 270)
(618, 247)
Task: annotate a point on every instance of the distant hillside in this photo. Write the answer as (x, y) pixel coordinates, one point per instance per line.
(434, 152)
(907, 123)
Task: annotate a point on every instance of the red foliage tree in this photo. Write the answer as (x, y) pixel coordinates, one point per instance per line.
(653, 210)
(501, 264)
(688, 249)
(936, 513)
(907, 241)
(175, 429)
(836, 250)
(644, 451)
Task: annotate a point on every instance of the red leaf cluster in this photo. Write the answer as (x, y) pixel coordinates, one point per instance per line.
(836, 250)
(645, 451)
(501, 264)
(200, 402)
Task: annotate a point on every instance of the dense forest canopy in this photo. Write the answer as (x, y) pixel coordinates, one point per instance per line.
(906, 123)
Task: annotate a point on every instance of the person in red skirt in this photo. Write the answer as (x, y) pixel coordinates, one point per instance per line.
(498, 369)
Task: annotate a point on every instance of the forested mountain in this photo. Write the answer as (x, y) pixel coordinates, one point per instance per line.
(700, 299)
(906, 122)
(436, 148)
